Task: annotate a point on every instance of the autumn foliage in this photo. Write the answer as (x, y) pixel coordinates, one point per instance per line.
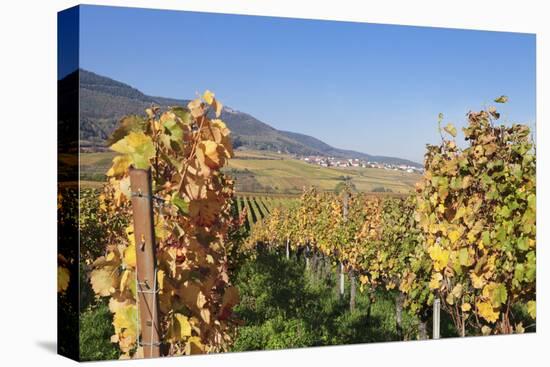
(467, 235)
(476, 208)
(185, 148)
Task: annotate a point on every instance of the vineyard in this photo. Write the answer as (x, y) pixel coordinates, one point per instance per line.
(258, 207)
(249, 271)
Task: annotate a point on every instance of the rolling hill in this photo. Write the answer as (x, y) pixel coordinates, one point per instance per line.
(103, 101)
(275, 174)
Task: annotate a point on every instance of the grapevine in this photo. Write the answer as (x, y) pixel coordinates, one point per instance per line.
(185, 148)
(476, 208)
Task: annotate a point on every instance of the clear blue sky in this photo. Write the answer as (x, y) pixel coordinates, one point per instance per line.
(368, 87)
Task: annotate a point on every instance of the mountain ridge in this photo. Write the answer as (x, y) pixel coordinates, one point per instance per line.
(103, 101)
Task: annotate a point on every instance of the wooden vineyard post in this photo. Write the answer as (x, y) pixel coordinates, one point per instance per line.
(144, 233)
(436, 318)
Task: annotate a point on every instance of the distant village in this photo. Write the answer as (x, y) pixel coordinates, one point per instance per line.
(355, 162)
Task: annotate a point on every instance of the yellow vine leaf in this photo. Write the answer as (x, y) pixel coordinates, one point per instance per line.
(125, 318)
(519, 328)
(116, 303)
(194, 346)
(464, 257)
(451, 129)
(478, 281)
(457, 291)
(208, 96)
(138, 147)
(532, 309)
(496, 293)
(120, 166)
(217, 107)
(125, 324)
(161, 277)
(454, 236)
(439, 256)
(180, 327)
(130, 255)
(63, 276)
(435, 282)
(128, 281)
(466, 307)
(459, 213)
(104, 280)
(485, 310)
(407, 282)
(501, 99)
(211, 153)
(195, 106)
(450, 299)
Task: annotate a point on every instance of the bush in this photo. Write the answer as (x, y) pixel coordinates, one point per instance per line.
(277, 333)
(95, 334)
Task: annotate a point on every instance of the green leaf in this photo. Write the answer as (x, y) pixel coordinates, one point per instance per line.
(505, 211)
(181, 204)
(138, 146)
(523, 243)
(519, 272)
(463, 256)
(499, 294)
(486, 238)
(183, 113)
(175, 130)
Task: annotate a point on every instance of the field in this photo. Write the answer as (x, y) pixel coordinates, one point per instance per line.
(265, 172)
(259, 206)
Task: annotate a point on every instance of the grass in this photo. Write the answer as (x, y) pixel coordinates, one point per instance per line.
(95, 334)
(272, 173)
(284, 306)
